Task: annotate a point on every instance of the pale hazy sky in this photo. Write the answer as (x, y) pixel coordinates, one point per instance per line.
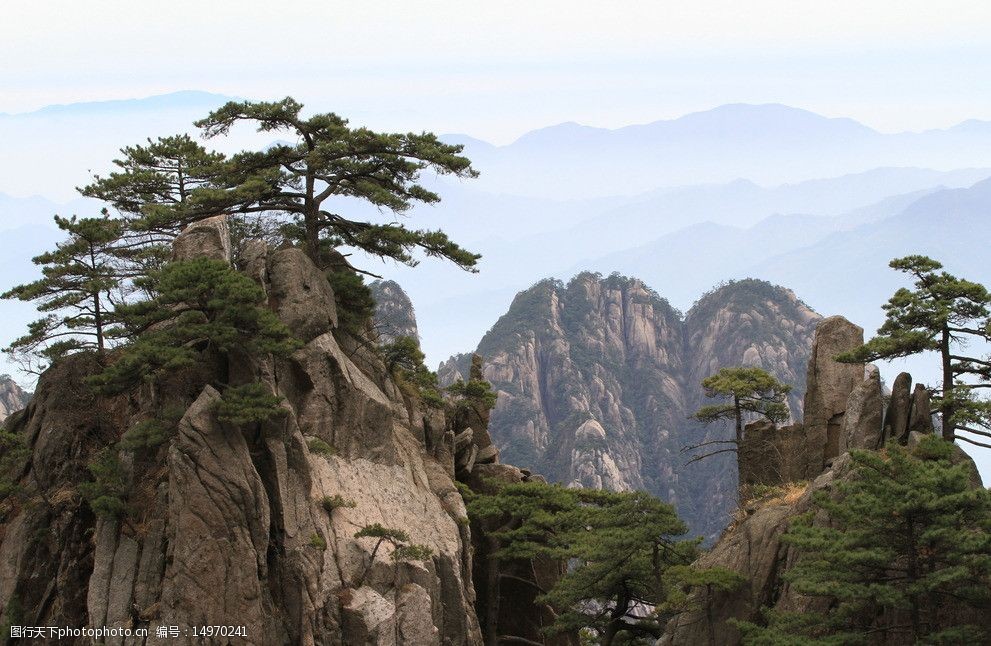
(497, 69)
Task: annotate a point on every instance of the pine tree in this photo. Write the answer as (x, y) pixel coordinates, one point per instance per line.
(749, 390)
(626, 559)
(79, 282)
(901, 551)
(330, 159)
(941, 314)
(199, 306)
(161, 187)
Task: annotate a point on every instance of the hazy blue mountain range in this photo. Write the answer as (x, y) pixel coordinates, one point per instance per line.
(681, 260)
(769, 144)
(670, 206)
(54, 149)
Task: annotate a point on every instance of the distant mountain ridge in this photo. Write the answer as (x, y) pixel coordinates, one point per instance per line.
(182, 99)
(597, 379)
(769, 143)
(12, 397)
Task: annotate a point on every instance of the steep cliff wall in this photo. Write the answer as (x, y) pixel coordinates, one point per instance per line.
(228, 525)
(597, 379)
(844, 410)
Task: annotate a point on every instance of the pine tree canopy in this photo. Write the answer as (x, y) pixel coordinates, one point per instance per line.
(942, 314)
(627, 561)
(901, 550)
(198, 305)
(78, 290)
(748, 390)
(331, 159)
(159, 189)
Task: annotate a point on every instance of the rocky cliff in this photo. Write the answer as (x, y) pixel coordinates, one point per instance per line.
(12, 397)
(597, 379)
(845, 410)
(254, 525)
(394, 314)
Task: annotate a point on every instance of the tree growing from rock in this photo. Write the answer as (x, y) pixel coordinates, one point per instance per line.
(199, 306)
(942, 314)
(329, 159)
(746, 391)
(403, 549)
(904, 557)
(76, 291)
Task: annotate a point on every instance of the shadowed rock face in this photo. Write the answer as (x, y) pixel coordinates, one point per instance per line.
(226, 525)
(597, 379)
(12, 397)
(394, 314)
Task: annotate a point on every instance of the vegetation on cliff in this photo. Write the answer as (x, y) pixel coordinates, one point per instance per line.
(749, 391)
(905, 556)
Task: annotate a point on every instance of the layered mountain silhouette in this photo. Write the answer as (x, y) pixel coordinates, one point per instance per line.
(769, 143)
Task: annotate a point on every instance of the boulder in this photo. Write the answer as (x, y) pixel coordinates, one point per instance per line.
(920, 420)
(862, 422)
(253, 261)
(829, 383)
(300, 293)
(207, 238)
(487, 455)
(899, 409)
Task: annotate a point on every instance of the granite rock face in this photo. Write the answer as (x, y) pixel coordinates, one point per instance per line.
(769, 455)
(754, 549)
(229, 525)
(208, 238)
(862, 421)
(300, 293)
(597, 379)
(899, 410)
(829, 385)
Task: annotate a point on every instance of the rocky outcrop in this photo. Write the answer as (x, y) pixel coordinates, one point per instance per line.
(899, 408)
(862, 421)
(300, 293)
(394, 314)
(249, 525)
(207, 238)
(828, 386)
(920, 420)
(12, 397)
(597, 380)
(752, 546)
(844, 410)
